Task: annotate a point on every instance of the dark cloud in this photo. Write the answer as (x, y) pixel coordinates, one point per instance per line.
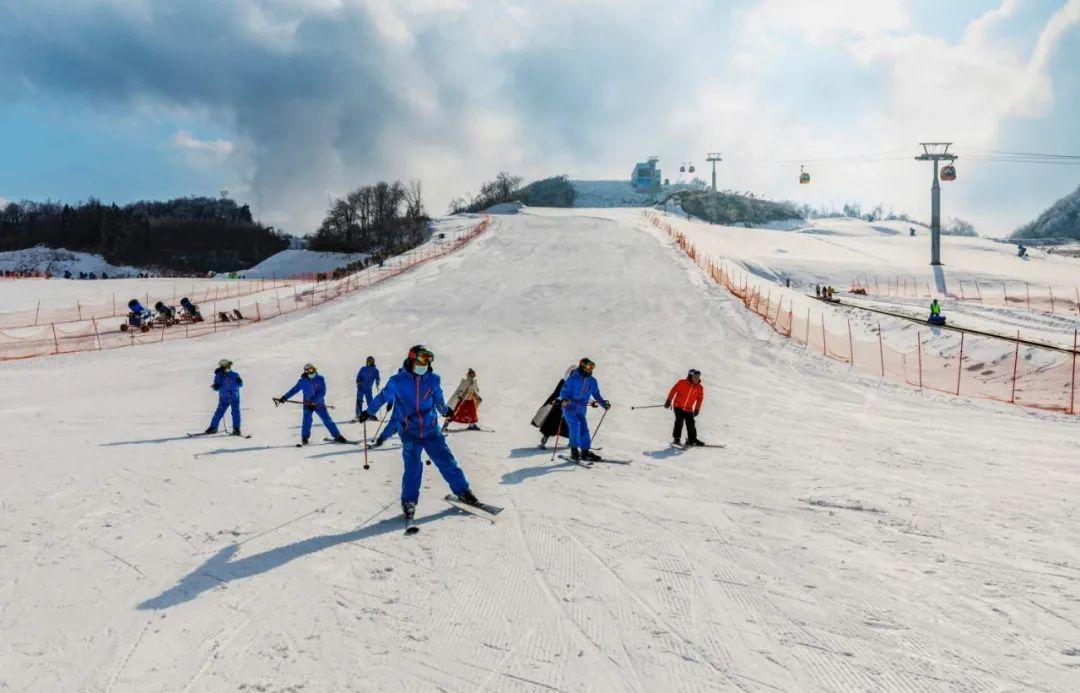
(322, 99)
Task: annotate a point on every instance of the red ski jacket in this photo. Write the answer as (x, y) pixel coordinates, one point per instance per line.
(687, 396)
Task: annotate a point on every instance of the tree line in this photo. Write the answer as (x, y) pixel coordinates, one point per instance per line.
(184, 235)
(556, 191)
(382, 219)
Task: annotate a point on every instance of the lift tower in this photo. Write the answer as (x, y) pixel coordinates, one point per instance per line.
(713, 157)
(935, 151)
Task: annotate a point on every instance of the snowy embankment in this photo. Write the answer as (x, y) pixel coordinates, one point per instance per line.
(57, 261)
(290, 263)
(852, 536)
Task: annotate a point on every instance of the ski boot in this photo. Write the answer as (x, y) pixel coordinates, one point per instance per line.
(377, 443)
(575, 454)
(676, 442)
(473, 427)
(543, 443)
(695, 442)
(303, 441)
(468, 498)
(340, 439)
(210, 431)
(590, 456)
(408, 509)
(236, 432)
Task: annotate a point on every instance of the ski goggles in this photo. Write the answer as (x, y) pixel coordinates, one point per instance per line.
(308, 368)
(422, 356)
(587, 365)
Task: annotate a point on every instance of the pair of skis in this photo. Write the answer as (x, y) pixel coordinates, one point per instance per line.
(203, 434)
(588, 464)
(484, 510)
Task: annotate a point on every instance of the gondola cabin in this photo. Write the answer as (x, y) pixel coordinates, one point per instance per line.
(948, 172)
(804, 177)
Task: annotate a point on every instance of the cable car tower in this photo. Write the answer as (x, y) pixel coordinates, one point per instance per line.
(713, 157)
(937, 151)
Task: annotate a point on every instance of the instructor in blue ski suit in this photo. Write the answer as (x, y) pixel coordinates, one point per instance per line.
(417, 396)
(366, 379)
(227, 384)
(576, 391)
(314, 388)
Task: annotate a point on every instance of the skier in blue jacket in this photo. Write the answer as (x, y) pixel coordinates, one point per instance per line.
(314, 388)
(367, 378)
(417, 396)
(227, 384)
(576, 391)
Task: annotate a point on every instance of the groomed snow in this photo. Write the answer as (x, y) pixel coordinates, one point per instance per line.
(852, 536)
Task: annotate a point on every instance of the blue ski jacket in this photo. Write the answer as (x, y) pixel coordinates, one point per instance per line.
(417, 399)
(314, 389)
(578, 388)
(368, 376)
(227, 384)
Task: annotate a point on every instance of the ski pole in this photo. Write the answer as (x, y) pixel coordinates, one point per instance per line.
(601, 423)
(293, 401)
(558, 431)
(366, 465)
(381, 422)
(647, 406)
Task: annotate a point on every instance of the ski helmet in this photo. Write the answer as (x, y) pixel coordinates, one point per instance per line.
(421, 354)
(133, 302)
(692, 373)
(225, 363)
(586, 365)
(310, 367)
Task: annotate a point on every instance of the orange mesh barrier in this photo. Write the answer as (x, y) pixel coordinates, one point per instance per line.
(92, 333)
(927, 358)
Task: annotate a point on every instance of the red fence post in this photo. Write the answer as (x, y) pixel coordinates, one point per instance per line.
(1072, 387)
(56, 342)
(807, 342)
(1051, 299)
(36, 312)
(824, 351)
(96, 335)
(918, 341)
(1016, 362)
(960, 364)
(851, 343)
(881, 349)
(1028, 295)
(1005, 290)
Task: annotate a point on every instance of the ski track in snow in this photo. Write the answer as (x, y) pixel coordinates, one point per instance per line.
(852, 536)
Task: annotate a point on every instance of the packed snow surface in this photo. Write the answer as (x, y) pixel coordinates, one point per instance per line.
(289, 263)
(852, 536)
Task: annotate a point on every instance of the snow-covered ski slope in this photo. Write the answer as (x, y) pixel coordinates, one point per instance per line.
(853, 535)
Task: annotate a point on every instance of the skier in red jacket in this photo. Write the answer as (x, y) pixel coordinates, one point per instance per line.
(686, 397)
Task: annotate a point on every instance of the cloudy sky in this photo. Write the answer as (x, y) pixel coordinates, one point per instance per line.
(287, 102)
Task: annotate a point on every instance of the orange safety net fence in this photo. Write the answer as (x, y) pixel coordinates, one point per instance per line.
(927, 358)
(221, 314)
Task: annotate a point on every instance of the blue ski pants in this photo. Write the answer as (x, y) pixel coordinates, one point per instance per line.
(363, 399)
(219, 413)
(324, 415)
(434, 444)
(577, 427)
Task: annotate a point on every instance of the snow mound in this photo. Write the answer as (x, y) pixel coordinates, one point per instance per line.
(288, 263)
(57, 260)
(505, 208)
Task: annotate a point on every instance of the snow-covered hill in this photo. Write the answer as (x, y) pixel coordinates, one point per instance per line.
(852, 536)
(290, 263)
(57, 261)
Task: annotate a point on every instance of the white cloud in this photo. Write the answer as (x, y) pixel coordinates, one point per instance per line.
(185, 141)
